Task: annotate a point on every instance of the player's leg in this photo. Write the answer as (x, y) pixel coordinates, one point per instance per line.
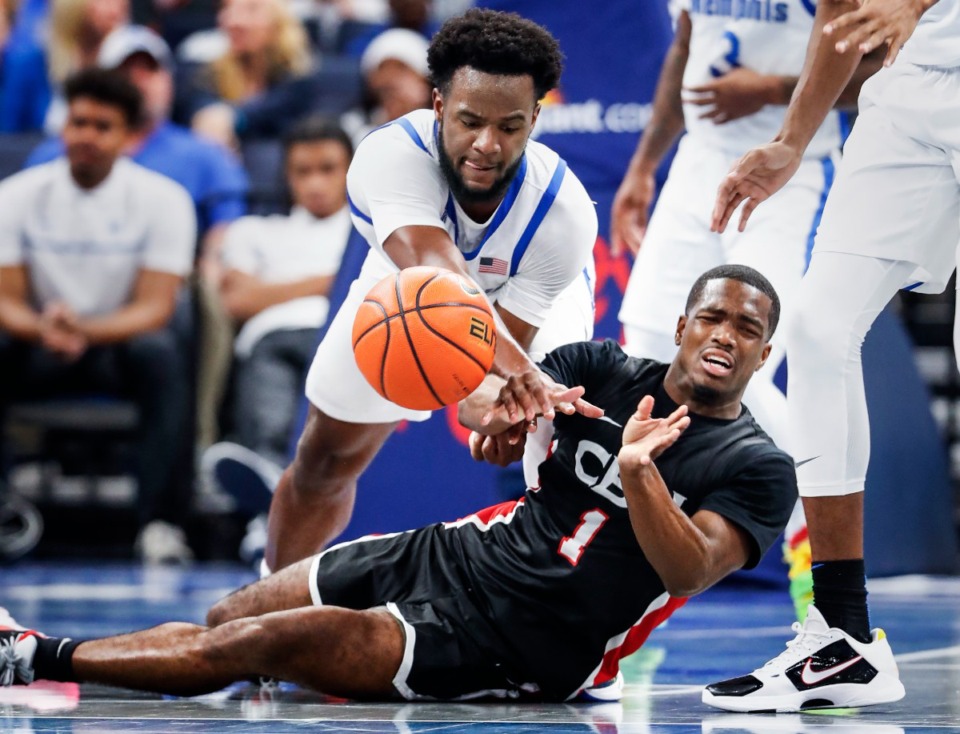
(329, 649)
(314, 500)
(895, 205)
(288, 588)
(777, 243)
(346, 425)
(677, 248)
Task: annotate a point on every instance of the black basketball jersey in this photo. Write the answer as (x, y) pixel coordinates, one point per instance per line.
(560, 572)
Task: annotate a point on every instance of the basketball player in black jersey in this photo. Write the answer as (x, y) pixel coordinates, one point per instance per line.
(671, 490)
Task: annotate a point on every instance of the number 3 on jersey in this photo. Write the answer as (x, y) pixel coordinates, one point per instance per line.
(572, 547)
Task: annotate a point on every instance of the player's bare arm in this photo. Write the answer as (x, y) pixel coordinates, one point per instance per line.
(763, 171)
(877, 23)
(689, 554)
(487, 412)
(631, 204)
(426, 245)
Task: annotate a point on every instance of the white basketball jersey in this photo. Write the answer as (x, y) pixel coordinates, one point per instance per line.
(936, 42)
(537, 242)
(766, 36)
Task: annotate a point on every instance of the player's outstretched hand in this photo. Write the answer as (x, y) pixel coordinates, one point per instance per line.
(754, 178)
(738, 93)
(878, 22)
(502, 449)
(530, 393)
(645, 438)
(630, 212)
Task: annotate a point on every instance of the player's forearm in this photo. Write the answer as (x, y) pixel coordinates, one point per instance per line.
(824, 76)
(476, 405)
(666, 122)
(676, 548)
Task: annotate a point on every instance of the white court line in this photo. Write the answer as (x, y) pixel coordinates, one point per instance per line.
(938, 652)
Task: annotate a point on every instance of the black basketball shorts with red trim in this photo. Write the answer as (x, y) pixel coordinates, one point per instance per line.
(452, 652)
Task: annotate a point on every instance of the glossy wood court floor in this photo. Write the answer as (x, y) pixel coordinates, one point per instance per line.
(725, 632)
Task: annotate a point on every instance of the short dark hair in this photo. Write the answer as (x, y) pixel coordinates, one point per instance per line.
(495, 42)
(315, 129)
(744, 274)
(107, 86)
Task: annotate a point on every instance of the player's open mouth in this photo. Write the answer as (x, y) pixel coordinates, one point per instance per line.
(717, 362)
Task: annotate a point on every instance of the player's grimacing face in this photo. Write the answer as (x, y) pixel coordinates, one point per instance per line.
(723, 339)
(485, 121)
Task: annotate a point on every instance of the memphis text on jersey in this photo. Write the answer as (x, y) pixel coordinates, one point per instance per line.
(762, 10)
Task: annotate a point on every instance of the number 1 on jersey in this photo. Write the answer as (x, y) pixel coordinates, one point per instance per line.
(590, 523)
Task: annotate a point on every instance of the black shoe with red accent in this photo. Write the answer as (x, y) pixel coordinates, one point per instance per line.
(822, 667)
(17, 648)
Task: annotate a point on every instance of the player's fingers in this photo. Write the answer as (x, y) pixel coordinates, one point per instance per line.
(892, 50)
(587, 409)
(724, 209)
(846, 20)
(475, 444)
(677, 414)
(747, 210)
(702, 101)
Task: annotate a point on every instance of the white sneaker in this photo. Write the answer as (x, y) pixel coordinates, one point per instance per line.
(612, 690)
(17, 648)
(162, 543)
(822, 667)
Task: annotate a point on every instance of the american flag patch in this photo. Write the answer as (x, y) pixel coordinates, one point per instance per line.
(493, 265)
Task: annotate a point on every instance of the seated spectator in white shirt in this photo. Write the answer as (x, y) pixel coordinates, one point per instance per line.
(93, 251)
(279, 271)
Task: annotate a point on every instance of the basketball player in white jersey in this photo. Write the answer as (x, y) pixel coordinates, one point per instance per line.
(460, 187)
(726, 80)
(892, 220)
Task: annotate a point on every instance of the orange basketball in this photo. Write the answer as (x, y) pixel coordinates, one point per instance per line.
(424, 337)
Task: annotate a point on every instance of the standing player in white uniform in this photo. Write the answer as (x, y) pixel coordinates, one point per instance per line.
(892, 220)
(461, 187)
(726, 81)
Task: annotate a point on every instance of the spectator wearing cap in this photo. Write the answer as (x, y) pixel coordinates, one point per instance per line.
(396, 80)
(93, 251)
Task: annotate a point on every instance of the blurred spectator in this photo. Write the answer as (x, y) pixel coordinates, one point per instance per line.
(93, 251)
(413, 15)
(396, 80)
(267, 52)
(31, 98)
(212, 176)
(279, 272)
